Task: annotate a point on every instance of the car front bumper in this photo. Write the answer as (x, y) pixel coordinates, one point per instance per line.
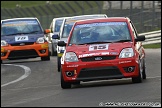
(26, 51)
(98, 70)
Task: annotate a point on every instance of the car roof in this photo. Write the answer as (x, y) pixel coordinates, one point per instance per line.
(102, 20)
(80, 17)
(72, 17)
(59, 18)
(91, 15)
(18, 18)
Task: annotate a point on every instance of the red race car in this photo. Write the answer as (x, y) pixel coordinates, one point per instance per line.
(104, 48)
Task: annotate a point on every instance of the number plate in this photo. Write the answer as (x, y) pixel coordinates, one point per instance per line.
(21, 38)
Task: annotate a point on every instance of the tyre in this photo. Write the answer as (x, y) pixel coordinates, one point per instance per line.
(58, 63)
(46, 58)
(64, 84)
(76, 83)
(54, 53)
(144, 70)
(139, 78)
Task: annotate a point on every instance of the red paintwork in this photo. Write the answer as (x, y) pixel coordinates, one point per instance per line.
(113, 47)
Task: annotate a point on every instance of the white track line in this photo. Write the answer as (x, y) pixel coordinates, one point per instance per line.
(153, 77)
(27, 73)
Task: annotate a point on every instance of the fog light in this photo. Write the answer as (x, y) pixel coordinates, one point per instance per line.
(42, 51)
(69, 73)
(2, 54)
(129, 69)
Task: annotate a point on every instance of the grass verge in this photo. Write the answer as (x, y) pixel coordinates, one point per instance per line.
(157, 45)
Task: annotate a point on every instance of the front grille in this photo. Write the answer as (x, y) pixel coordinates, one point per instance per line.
(87, 59)
(22, 53)
(101, 72)
(24, 43)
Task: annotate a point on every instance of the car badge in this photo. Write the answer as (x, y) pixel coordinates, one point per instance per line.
(22, 44)
(98, 58)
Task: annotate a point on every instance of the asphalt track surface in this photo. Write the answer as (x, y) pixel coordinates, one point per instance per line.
(36, 83)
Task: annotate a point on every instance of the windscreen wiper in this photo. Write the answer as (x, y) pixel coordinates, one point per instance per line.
(33, 32)
(125, 40)
(23, 33)
(15, 34)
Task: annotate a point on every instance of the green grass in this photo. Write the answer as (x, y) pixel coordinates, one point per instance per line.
(158, 45)
(9, 10)
(12, 4)
(45, 14)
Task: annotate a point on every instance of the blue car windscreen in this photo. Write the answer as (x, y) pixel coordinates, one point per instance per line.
(23, 26)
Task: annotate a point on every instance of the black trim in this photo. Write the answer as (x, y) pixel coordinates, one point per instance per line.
(100, 78)
(18, 54)
(99, 73)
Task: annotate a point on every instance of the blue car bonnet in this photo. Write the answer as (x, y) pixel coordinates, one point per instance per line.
(21, 38)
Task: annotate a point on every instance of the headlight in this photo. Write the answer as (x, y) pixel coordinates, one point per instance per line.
(126, 52)
(40, 40)
(71, 57)
(4, 43)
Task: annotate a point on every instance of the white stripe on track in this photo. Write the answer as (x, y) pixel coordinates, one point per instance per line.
(26, 74)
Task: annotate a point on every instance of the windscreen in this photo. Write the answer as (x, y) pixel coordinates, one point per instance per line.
(58, 25)
(100, 32)
(23, 26)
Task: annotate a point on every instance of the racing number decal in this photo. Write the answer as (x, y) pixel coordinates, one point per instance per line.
(21, 38)
(98, 47)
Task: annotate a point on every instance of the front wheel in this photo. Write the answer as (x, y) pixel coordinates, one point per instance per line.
(58, 63)
(54, 53)
(76, 83)
(138, 79)
(46, 58)
(64, 84)
(144, 70)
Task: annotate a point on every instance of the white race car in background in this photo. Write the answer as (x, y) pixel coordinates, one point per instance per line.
(55, 29)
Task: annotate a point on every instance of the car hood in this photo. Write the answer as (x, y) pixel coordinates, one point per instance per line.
(98, 49)
(14, 38)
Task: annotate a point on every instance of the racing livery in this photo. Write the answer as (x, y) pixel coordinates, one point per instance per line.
(65, 29)
(23, 38)
(99, 49)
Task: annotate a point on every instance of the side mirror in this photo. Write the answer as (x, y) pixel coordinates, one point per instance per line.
(55, 36)
(61, 43)
(46, 31)
(140, 38)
